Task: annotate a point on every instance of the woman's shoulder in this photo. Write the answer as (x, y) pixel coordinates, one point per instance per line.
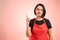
(31, 23)
(32, 20)
(48, 23)
(46, 19)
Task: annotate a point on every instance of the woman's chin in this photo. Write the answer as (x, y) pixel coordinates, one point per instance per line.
(38, 16)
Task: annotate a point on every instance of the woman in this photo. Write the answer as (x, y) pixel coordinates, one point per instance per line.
(39, 28)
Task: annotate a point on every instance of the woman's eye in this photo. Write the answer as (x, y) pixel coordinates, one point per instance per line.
(38, 9)
(41, 9)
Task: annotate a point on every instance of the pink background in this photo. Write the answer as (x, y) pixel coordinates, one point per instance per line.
(13, 15)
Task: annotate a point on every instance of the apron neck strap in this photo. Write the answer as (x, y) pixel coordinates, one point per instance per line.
(44, 20)
(34, 20)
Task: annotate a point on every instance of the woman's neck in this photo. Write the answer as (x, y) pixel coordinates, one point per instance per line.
(39, 18)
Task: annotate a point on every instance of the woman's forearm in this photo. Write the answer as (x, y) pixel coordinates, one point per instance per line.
(50, 34)
(50, 38)
(28, 30)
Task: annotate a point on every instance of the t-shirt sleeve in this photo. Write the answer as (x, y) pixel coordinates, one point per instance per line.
(31, 23)
(48, 24)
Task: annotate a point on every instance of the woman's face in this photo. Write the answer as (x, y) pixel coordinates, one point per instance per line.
(39, 11)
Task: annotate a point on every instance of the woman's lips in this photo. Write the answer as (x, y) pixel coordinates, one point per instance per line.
(38, 13)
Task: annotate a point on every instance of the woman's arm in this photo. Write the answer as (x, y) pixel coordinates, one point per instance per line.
(50, 34)
(28, 29)
(28, 32)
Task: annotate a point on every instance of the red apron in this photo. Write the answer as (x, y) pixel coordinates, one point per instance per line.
(39, 32)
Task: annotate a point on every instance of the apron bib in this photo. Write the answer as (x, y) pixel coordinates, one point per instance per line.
(39, 32)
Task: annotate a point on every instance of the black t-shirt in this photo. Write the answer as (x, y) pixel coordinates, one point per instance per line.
(31, 23)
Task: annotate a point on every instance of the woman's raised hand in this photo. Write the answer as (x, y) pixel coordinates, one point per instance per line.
(27, 19)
